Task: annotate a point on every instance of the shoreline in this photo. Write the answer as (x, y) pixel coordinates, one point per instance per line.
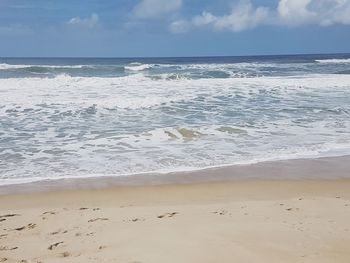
(325, 168)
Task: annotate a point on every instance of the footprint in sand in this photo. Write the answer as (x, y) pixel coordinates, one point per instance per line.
(67, 254)
(49, 213)
(29, 226)
(5, 248)
(53, 246)
(5, 217)
(168, 215)
(58, 232)
(291, 209)
(20, 228)
(3, 259)
(222, 212)
(135, 220)
(98, 219)
(9, 215)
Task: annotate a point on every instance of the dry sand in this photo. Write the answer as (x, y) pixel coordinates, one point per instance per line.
(239, 221)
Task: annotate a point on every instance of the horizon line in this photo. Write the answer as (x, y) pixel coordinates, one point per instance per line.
(202, 56)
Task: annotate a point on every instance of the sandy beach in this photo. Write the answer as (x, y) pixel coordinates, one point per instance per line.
(153, 131)
(233, 221)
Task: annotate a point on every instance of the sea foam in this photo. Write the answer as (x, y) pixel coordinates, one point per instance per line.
(165, 117)
(71, 126)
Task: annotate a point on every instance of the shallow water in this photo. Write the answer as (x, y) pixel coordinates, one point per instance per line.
(92, 117)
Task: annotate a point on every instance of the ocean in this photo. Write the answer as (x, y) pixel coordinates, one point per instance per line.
(91, 117)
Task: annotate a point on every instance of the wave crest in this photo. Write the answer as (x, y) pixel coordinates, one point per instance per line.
(334, 61)
(138, 66)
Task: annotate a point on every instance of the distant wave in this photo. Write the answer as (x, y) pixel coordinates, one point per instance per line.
(5, 66)
(334, 61)
(138, 66)
(10, 66)
(176, 71)
(141, 92)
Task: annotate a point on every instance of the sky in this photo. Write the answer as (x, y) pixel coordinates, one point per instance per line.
(158, 28)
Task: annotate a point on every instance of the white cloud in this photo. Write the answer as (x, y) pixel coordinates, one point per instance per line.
(295, 11)
(245, 16)
(319, 12)
(242, 17)
(156, 8)
(89, 22)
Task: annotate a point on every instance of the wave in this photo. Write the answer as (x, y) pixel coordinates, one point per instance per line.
(178, 150)
(77, 126)
(334, 61)
(5, 66)
(138, 66)
(138, 92)
(169, 71)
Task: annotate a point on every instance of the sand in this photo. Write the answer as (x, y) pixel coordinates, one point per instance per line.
(237, 221)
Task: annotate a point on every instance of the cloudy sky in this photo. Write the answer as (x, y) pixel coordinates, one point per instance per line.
(124, 28)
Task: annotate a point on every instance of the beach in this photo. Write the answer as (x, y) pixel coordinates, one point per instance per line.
(251, 220)
(175, 131)
(188, 159)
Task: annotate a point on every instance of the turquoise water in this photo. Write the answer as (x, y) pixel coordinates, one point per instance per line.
(62, 118)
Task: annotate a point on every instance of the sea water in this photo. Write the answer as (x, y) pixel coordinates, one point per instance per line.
(83, 117)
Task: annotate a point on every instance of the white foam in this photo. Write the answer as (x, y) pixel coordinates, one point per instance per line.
(334, 61)
(64, 126)
(138, 66)
(138, 91)
(10, 66)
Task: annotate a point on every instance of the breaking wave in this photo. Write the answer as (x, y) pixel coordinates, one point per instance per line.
(334, 61)
(109, 118)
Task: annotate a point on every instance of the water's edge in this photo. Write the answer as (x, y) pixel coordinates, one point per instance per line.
(324, 168)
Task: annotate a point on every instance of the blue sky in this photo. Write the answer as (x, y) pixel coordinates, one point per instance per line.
(133, 28)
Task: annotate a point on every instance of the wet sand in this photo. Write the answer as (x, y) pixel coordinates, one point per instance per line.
(329, 168)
